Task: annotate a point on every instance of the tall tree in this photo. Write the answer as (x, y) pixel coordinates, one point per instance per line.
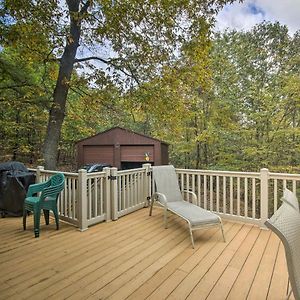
(132, 40)
(254, 76)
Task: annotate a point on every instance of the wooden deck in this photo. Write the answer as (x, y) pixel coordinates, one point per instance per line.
(136, 258)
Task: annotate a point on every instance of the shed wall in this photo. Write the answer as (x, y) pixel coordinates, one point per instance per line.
(119, 145)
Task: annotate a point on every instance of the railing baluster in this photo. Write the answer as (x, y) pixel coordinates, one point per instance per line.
(231, 195)
(138, 191)
(101, 191)
(246, 197)
(199, 189)
(218, 193)
(128, 191)
(74, 184)
(193, 183)
(89, 198)
(188, 186)
(119, 192)
(275, 195)
(294, 186)
(132, 189)
(205, 191)
(224, 194)
(64, 208)
(67, 205)
(238, 196)
(96, 196)
(211, 190)
(253, 198)
(284, 183)
(136, 188)
(124, 192)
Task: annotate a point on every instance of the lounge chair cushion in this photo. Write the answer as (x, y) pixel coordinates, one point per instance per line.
(167, 183)
(195, 214)
(290, 198)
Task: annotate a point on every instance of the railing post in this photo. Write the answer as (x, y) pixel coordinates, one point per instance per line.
(38, 174)
(147, 184)
(107, 194)
(264, 196)
(82, 200)
(114, 193)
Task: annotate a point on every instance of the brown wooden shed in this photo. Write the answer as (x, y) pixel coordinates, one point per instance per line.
(122, 148)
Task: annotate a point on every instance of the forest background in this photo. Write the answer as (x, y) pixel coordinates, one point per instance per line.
(226, 101)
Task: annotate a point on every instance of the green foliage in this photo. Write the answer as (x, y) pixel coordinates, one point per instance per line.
(23, 106)
(229, 102)
(134, 40)
(254, 75)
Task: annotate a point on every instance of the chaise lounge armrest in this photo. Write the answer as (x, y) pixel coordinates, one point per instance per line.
(194, 197)
(160, 197)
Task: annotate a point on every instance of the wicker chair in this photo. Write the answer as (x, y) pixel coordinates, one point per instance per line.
(285, 223)
(169, 196)
(47, 201)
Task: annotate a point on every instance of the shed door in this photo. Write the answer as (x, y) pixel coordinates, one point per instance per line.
(137, 153)
(98, 154)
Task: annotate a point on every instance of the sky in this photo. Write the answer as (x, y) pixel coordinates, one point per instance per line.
(243, 16)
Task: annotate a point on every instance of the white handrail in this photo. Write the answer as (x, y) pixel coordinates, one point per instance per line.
(90, 198)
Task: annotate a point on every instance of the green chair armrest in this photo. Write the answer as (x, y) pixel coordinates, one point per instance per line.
(35, 188)
(51, 192)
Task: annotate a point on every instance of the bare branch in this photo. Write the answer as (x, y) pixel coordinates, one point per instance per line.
(92, 58)
(108, 62)
(15, 86)
(81, 92)
(85, 7)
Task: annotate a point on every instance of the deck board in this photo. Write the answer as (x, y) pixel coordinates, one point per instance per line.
(231, 272)
(136, 258)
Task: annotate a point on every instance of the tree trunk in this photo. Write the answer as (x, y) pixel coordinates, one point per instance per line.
(57, 111)
(16, 142)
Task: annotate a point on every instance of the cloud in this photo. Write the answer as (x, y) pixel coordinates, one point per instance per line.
(243, 16)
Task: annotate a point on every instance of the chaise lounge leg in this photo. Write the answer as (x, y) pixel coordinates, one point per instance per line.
(151, 207)
(222, 229)
(288, 291)
(192, 238)
(166, 218)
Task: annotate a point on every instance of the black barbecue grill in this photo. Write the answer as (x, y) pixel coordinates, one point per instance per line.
(14, 182)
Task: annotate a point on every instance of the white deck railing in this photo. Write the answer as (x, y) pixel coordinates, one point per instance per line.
(130, 190)
(233, 195)
(69, 197)
(241, 196)
(279, 181)
(90, 198)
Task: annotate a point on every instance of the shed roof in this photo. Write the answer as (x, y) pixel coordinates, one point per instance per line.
(126, 130)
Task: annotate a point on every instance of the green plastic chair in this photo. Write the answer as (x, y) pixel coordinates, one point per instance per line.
(47, 201)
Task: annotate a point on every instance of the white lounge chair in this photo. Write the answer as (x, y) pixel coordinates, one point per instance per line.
(169, 196)
(285, 223)
(290, 198)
